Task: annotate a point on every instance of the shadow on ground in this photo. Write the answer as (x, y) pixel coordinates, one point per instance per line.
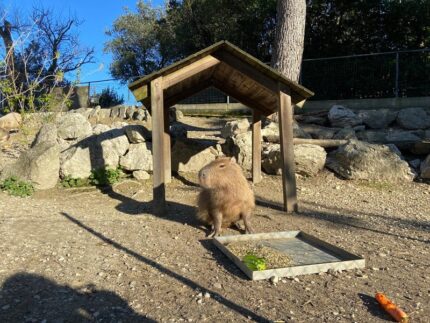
(230, 305)
(32, 298)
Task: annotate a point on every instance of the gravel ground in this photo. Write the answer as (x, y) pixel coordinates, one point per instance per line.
(84, 254)
(73, 255)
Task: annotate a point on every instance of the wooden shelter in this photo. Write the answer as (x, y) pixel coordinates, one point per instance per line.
(237, 74)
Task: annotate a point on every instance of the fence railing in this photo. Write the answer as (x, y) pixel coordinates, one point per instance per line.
(376, 75)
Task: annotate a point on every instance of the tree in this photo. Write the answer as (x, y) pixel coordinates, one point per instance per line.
(109, 98)
(152, 38)
(289, 38)
(37, 53)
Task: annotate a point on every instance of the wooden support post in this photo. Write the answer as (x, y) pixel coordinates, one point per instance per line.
(167, 148)
(256, 146)
(287, 149)
(157, 106)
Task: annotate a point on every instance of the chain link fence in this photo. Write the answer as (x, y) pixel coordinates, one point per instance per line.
(380, 75)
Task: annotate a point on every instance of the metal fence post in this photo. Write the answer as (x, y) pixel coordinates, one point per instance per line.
(396, 89)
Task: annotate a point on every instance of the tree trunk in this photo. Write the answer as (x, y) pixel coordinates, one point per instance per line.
(289, 38)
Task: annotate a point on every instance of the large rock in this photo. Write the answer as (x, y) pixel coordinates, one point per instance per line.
(78, 160)
(47, 134)
(340, 116)
(137, 134)
(39, 165)
(309, 159)
(138, 157)
(240, 147)
(360, 160)
(319, 132)
(425, 168)
(113, 144)
(189, 156)
(378, 119)
(73, 126)
(270, 133)
(235, 127)
(413, 118)
(345, 133)
(11, 121)
(4, 135)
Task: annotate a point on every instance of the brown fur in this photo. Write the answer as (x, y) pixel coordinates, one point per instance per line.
(226, 196)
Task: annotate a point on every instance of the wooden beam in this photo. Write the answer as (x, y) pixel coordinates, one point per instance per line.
(157, 106)
(287, 149)
(256, 146)
(187, 71)
(173, 99)
(242, 98)
(247, 70)
(141, 93)
(167, 147)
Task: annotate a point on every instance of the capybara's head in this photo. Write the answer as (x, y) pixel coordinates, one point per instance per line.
(222, 172)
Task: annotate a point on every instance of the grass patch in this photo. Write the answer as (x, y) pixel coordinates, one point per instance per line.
(17, 187)
(69, 182)
(105, 176)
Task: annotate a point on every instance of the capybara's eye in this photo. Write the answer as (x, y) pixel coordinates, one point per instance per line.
(222, 166)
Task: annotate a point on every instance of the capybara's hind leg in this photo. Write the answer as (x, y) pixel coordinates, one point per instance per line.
(238, 225)
(216, 227)
(248, 227)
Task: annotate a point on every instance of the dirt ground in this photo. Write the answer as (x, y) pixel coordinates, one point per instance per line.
(72, 255)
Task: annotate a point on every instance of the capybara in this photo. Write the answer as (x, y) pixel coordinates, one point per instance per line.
(226, 196)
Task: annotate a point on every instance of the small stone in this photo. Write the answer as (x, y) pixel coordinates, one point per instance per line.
(381, 254)
(217, 285)
(207, 295)
(335, 313)
(296, 280)
(199, 301)
(6, 307)
(274, 280)
(200, 295)
(375, 268)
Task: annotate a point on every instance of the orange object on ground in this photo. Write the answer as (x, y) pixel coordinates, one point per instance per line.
(391, 308)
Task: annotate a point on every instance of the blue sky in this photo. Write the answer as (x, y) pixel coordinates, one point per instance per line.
(98, 16)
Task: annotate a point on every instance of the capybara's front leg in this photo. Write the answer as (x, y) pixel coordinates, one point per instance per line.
(248, 227)
(217, 221)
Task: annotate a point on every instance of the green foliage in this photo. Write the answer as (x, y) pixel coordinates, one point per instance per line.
(254, 263)
(69, 181)
(105, 176)
(151, 37)
(109, 98)
(17, 187)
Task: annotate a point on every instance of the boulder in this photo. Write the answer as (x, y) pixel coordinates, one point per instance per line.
(345, 133)
(270, 133)
(425, 168)
(319, 132)
(94, 112)
(11, 121)
(339, 116)
(138, 157)
(122, 112)
(129, 112)
(104, 113)
(189, 156)
(376, 136)
(378, 119)
(240, 147)
(47, 134)
(40, 165)
(321, 121)
(141, 115)
(137, 134)
(114, 111)
(4, 135)
(413, 118)
(141, 175)
(73, 126)
(175, 115)
(364, 161)
(415, 163)
(178, 130)
(235, 127)
(113, 144)
(78, 160)
(100, 128)
(309, 159)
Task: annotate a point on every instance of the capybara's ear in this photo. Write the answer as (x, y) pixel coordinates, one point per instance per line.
(233, 160)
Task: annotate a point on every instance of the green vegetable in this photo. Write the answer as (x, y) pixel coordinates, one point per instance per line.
(254, 263)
